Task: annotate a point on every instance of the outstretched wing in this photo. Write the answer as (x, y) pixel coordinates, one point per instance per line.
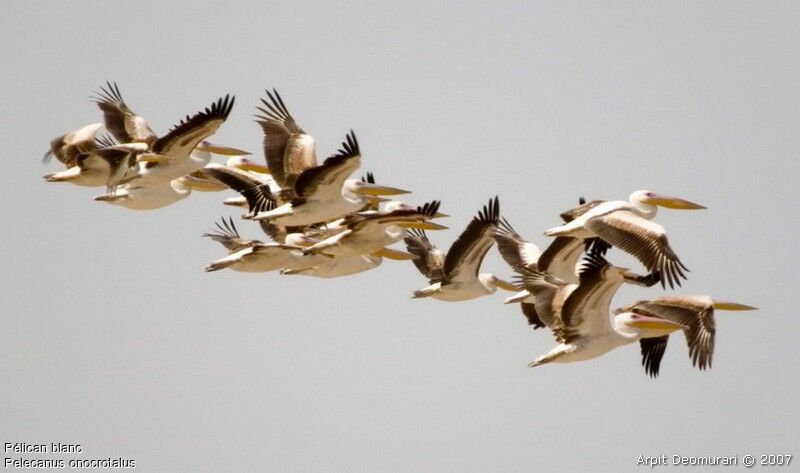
(515, 250)
(287, 148)
(259, 197)
(326, 180)
(429, 259)
(186, 135)
(465, 256)
(694, 312)
(120, 120)
(642, 238)
(652, 352)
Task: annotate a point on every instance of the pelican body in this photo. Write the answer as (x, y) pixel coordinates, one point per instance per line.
(628, 226)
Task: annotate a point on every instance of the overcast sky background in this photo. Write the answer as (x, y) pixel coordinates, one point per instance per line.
(113, 337)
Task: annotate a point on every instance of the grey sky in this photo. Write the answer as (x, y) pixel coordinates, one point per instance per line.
(113, 337)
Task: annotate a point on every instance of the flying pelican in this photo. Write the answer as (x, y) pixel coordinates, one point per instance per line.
(321, 193)
(628, 225)
(558, 260)
(456, 277)
(578, 314)
(324, 192)
(181, 151)
(695, 313)
(136, 196)
(255, 256)
(77, 150)
(339, 266)
(367, 232)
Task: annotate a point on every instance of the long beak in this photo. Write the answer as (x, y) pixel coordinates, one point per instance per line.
(223, 150)
(672, 202)
(655, 323)
(722, 305)
(205, 185)
(254, 167)
(505, 285)
(374, 190)
(150, 158)
(518, 297)
(394, 254)
(439, 215)
(422, 225)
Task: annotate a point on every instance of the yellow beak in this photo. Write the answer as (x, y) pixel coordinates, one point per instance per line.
(376, 190)
(150, 158)
(722, 305)
(223, 150)
(505, 285)
(654, 323)
(254, 167)
(396, 255)
(672, 202)
(422, 225)
(204, 185)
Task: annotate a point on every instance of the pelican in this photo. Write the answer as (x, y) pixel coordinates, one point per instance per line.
(184, 150)
(255, 256)
(578, 314)
(558, 260)
(695, 313)
(628, 225)
(135, 196)
(77, 150)
(456, 277)
(181, 151)
(339, 266)
(324, 193)
(367, 232)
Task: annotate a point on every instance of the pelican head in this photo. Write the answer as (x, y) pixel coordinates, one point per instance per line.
(299, 239)
(648, 198)
(492, 282)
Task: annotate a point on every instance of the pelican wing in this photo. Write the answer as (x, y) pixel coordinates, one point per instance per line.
(287, 148)
(575, 212)
(548, 293)
(586, 309)
(515, 250)
(530, 313)
(186, 135)
(429, 259)
(66, 148)
(227, 235)
(326, 180)
(276, 232)
(465, 256)
(357, 221)
(121, 162)
(120, 120)
(696, 313)
(561, 256)
(259, 197)
(652, 352)
(642, 238)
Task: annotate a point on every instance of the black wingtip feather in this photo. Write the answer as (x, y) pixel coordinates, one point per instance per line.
(429, 208)
(592, 262)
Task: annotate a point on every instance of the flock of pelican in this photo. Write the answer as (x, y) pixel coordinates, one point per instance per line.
(321, 222)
